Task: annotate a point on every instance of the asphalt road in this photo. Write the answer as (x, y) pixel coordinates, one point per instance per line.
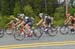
(53, 47)
(9, 40)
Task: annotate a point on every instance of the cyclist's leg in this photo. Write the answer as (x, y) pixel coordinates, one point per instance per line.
(18, 22)
(28, 27)
(45, 24)
(21, 25)
(11, 24)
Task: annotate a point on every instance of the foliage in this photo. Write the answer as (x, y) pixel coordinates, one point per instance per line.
(71, 10)
(3, 21)
(32, 8)
(28, 10)
(59, 16)
(18, 8)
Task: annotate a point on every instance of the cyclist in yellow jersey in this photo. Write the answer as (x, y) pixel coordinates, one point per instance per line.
(13, 21)
(68, 19)
(16, 21)
(45, 20)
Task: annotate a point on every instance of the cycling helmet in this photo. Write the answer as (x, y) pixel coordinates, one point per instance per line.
(11, 17)
(21, 16)
(26, 17)
(46, 17)
(41, 15)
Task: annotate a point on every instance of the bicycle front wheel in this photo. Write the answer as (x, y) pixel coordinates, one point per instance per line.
(19, 35)
(52, 31)
(64, 30)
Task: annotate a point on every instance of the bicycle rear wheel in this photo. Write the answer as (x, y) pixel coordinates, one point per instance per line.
(10, 31)
(1, 33)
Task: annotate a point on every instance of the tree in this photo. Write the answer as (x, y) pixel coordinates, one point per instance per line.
(18, 8)
(51, 6)
(11, 6)
(59, 16)
(28, 10)
(5, 7)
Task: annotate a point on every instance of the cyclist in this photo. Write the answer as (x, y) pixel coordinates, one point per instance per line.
(45, 20)
(70, 20)
(16, 21)
(73, 23)
(13, 21)
(28, 23)
(20, 17)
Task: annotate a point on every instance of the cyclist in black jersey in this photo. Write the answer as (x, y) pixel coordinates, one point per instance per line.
(73, 23)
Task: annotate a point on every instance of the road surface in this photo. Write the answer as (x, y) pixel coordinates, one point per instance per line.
(57, 42)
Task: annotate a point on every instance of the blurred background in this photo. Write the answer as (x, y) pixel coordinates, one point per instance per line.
(54, 8)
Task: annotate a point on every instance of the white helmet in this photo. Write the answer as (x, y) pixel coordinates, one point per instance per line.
(41, 15)
(26, 17)
(46, 16)
(21, 15)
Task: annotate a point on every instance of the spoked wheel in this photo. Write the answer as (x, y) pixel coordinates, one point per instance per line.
(52, 31)
(1, 33)
(10, 31)
(19, 35)
(64, 30)
(37, 33)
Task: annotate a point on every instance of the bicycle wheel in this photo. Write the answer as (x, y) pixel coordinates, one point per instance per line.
(19, 35)
(37, 33)
(10, 31)
(1, 33)
(52, 31)
(64, 30)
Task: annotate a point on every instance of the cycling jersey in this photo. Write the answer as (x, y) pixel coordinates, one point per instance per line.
(29, 20)
(14, 19)
(47, 19)
(73, 21)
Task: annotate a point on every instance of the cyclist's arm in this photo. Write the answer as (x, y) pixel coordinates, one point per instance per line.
(12, 21)
(68, 20)
(18, 22)
(21, 23)
(40, 22)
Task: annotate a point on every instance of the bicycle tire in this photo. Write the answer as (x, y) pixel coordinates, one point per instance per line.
(10, 31)
(18, 35)
(52, 31)
(37, 31)
(64, 30)
(1, 33)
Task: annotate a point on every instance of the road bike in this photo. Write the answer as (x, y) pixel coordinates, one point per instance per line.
(66, 29)
(51, 31)
(22, 33)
